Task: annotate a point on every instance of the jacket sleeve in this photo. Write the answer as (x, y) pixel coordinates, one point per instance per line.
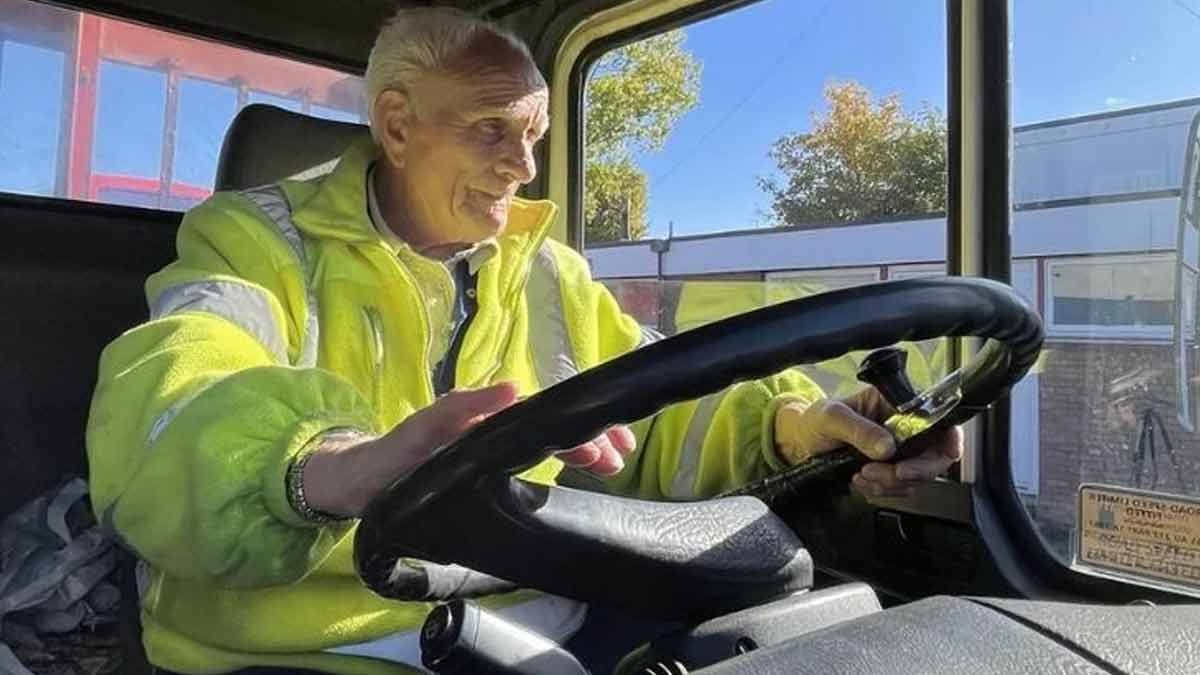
(198, 412)
(689, 450)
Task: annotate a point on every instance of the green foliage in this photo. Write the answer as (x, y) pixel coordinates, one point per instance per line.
(634, 97)
(862, 160)
(614, 188)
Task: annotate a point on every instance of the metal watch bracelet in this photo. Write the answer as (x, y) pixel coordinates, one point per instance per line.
(294, 479)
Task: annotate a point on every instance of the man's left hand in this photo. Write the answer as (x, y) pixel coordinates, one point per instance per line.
(605, 455)
(805, 431)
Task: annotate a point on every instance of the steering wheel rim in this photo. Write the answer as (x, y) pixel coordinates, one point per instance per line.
(471, 473)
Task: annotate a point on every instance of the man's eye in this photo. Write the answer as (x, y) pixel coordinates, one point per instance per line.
(493, 130)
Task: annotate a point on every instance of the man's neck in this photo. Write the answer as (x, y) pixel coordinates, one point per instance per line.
(393, 213)
(441, 251)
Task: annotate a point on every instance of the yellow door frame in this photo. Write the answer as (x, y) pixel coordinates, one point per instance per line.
(594, 28)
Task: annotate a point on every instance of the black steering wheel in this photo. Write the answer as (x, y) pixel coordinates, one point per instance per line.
(460, 525)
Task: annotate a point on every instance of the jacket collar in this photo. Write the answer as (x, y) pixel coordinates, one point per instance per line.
(338, 209)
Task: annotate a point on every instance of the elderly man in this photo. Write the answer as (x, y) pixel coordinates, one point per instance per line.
(317, 339)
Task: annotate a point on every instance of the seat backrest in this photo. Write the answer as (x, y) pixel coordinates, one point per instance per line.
(266, 144)
(71, 279)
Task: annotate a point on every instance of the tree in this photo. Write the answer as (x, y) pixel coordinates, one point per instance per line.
(861, 160)
(634, 97)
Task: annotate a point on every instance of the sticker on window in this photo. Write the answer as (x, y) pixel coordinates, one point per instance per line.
(1139, 535)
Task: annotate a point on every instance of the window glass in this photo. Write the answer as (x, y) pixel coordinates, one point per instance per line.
(29, 134)
(130, 117)
(1103, 111)
(1131, 295)
(205, 111)
(93, 108)
(719, 179)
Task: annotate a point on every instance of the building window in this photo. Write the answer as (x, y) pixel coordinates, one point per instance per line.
(1111, 297)
(787, 285)
(31, 84)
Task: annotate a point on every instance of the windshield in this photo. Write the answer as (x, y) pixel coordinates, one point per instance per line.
(720, 180)
(732, 179)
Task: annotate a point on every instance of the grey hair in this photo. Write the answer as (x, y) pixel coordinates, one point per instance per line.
(423, 40)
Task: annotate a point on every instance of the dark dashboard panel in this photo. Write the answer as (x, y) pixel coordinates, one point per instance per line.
(950, 635)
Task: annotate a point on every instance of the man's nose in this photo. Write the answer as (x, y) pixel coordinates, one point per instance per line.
(517, 164)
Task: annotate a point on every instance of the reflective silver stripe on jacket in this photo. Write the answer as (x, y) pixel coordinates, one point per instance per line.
(549, 615)
(272, 201)
(684, 482)
(244, 304)
(549, 339)
(161, 422)
(240, 303)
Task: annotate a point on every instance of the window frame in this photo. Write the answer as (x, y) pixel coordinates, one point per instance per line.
(821, 274)
(915, 271)
(584, 42)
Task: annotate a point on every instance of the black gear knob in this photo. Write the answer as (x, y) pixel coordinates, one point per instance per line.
(885, 370)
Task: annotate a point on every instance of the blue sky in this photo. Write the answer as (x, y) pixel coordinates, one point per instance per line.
(764, 67)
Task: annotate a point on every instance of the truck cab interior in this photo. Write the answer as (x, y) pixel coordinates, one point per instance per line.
(797, 573)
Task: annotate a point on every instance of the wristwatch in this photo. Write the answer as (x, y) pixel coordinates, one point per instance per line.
(294, 479)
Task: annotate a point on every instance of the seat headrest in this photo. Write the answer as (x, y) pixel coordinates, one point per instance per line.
(266, 144)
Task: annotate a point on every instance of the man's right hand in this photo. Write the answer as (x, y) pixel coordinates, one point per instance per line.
(342, 480)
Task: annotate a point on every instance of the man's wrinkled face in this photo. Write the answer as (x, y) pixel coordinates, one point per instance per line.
(469, 146)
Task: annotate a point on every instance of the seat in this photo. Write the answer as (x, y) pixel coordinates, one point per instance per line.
(265, 144)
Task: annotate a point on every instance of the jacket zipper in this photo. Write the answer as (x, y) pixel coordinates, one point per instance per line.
(446, 371)
(423, 311)
(505, 341)
(375, 328)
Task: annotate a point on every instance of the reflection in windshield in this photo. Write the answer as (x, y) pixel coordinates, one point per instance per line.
(672, 307)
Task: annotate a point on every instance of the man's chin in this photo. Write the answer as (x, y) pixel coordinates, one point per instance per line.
(488, 225)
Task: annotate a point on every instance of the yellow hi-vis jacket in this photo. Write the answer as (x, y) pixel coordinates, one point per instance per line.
(287, 316)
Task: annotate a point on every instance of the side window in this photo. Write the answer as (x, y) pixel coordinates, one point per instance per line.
(96, 109)
(128, 149)
(1104, 115)
(205, 110)
(719, 179)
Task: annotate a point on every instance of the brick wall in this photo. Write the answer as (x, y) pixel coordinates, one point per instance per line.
(1088, 430)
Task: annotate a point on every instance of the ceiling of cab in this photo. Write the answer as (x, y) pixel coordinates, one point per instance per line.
(334, 32)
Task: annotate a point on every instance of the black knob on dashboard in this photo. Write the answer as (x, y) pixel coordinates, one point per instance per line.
(884, 369)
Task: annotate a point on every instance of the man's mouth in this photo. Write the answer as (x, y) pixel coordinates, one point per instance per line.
(489, 196)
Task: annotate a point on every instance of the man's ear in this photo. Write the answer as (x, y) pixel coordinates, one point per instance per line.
(393, 118)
